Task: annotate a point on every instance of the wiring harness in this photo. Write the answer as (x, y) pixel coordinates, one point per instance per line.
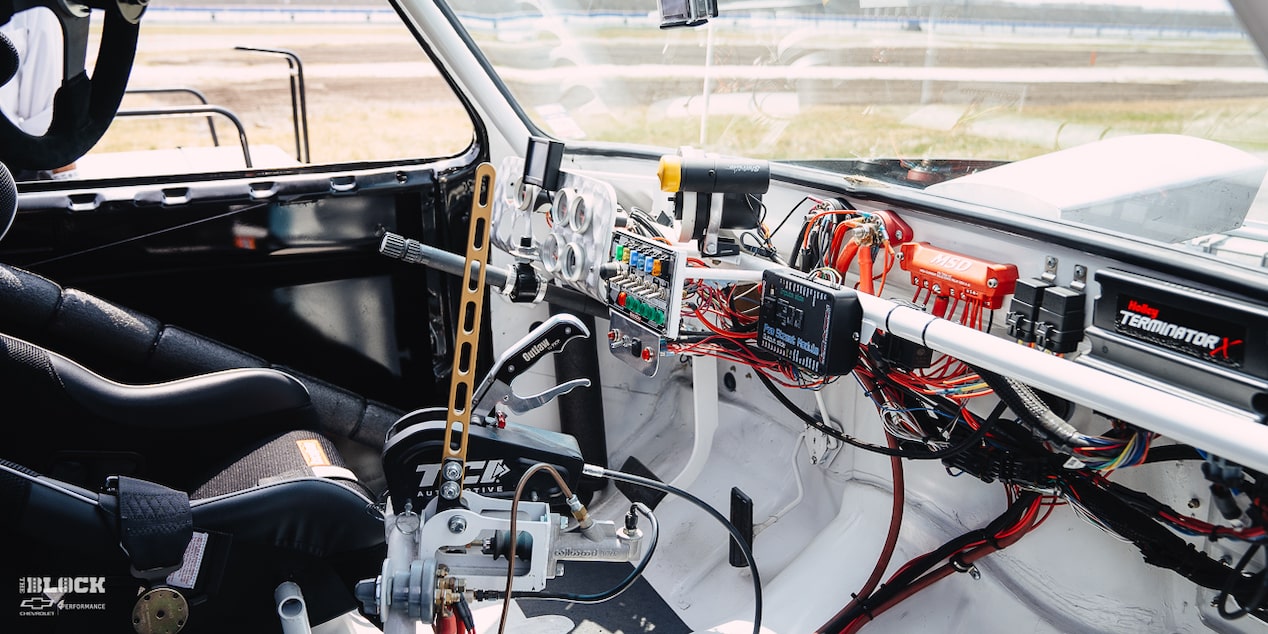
(931, 408)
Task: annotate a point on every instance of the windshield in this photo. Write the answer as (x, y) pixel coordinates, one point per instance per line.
(918, 92)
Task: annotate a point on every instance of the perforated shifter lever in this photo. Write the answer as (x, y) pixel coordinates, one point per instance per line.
(546, 338)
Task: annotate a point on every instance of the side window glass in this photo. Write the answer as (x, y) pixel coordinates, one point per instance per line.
(221, 89)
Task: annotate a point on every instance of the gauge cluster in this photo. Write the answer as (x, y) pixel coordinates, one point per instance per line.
(566, 231)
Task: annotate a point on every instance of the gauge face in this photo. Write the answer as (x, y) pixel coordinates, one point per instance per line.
(552, 252)
(573, 262)
(561, 212)
(511, 192)
(525, 196)
(580, 213)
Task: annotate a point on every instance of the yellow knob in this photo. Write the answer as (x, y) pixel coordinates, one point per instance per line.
(670, 173)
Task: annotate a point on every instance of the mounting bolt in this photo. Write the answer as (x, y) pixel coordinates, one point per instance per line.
(449, 490)
(992, 283)
(451, 471)
(1194, 503)
(457, 524)
(975, 573)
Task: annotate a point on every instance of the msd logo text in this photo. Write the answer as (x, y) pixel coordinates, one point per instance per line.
(951, 263)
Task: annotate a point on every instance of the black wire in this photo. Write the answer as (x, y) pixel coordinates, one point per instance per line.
(763, 248)
(759, 214)
(946, 452)
(1256, 601)
(464, 613)
(790, 215)
(612, 592)
(795, 261)
(735, 533)
(644, 221)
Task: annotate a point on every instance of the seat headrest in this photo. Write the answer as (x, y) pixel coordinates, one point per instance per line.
(8, 200)
(8, 59)
(8, 191)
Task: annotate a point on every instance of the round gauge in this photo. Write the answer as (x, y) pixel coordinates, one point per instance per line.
(580, 213)
(511, 192)
(561, 210)
(525, 196)
(552, 252)
(573, 262)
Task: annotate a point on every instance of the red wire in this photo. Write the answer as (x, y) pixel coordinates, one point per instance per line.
(843, 259)
(889, 264)
(965, 556)
(865, 269)
(939, 306)
(838, 237)
(810, 222)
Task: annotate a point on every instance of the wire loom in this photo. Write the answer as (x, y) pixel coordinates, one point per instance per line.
(924, 403)
(1043, 467)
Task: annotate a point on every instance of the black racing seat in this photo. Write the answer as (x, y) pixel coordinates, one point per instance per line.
(218, 484)
(138, 348)
(243, 534)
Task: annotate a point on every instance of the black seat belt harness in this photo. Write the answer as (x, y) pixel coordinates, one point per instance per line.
(155, 526)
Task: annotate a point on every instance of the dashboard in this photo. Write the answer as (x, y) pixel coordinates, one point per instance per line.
(1095, 313)
(1110, 352)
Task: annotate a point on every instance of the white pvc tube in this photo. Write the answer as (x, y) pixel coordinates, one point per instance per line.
(291, 609)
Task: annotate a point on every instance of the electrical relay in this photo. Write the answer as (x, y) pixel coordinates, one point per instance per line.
(809, 323)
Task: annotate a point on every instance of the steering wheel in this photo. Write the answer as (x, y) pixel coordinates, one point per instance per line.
(83, 107)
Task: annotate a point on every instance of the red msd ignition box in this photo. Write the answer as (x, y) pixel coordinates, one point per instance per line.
(958, 276)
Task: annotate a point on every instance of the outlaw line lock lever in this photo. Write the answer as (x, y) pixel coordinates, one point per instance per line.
(549, 337)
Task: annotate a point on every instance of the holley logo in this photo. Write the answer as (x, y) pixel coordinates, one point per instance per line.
(1143, 320)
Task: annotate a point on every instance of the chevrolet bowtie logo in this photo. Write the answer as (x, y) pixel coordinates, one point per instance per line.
(37, 603)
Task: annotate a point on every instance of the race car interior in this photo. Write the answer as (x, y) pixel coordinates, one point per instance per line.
(549, 381)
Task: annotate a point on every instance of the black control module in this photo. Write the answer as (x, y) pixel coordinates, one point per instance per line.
(1193, 338)
(809, 323)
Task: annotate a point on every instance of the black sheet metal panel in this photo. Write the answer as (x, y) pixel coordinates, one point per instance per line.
(276, 266)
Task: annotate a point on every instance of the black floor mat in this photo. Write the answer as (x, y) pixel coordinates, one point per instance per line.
(638, 609)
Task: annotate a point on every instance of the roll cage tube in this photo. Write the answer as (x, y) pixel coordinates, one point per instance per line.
(83, 107)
